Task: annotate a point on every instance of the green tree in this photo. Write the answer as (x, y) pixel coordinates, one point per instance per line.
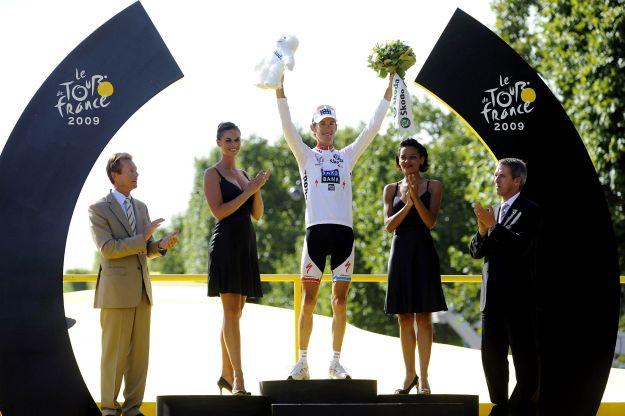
(579, 46)
(75, 286)
(173, 261)
(190, 254)
(457, 159)
(464, 166)
(283, 220)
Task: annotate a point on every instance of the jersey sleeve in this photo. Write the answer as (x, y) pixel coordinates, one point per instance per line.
(292, 137)
(355, 150)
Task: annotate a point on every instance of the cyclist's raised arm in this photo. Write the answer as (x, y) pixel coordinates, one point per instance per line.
(293, 139)
(365, 137)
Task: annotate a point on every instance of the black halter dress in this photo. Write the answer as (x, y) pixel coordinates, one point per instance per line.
(232, 255)
(414, 278)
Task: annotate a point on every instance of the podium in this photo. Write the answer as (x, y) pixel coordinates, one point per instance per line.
(319, 397)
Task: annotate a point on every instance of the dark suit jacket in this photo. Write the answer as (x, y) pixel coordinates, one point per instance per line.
(508, 250)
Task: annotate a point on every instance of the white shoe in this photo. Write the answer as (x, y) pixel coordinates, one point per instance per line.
(299, 371)
(337, 371)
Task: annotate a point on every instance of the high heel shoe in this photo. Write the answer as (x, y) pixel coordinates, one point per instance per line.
(415, 381)
(424, 390)
(241, 392)
(222, 383)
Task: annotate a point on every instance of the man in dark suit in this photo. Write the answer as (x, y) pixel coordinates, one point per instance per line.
(506, 240)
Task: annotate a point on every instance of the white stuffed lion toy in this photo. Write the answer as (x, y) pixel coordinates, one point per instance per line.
(270, 70)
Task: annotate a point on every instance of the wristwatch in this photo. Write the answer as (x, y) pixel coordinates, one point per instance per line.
(162, 251)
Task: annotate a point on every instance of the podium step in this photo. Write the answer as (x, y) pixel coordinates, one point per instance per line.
(320, 391)
(471, 403)
(371, 409)
(212, 406)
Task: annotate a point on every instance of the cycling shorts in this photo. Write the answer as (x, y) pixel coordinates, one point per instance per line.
(322, 240)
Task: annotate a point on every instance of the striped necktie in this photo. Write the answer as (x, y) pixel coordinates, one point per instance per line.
(502, 212)
(131, 215)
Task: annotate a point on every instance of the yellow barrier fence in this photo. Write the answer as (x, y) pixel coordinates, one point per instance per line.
(606, 409)
(274, 278)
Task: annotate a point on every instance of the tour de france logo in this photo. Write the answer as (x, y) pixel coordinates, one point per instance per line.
(505, 105)
(80, 100)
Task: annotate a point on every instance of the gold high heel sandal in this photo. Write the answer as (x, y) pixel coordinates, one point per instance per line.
(423, 390)
(240, 392)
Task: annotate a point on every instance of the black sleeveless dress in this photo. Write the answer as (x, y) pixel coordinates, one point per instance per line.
(414, 278)
(232, 255)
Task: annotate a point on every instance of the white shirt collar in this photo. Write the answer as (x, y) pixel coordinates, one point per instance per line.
(511, 200)
(119, 197)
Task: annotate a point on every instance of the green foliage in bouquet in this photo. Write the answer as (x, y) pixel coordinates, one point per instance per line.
(395, 56)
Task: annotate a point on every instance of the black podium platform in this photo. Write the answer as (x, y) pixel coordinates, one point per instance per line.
(213, 406)
(470, 403)
(320, 391)
(319, 397)
(371, 409)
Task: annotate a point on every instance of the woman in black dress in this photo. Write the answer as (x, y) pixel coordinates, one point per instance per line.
(232, 259)
(414, 282)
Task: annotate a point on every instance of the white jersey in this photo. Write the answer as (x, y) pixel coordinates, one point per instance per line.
(327, 173)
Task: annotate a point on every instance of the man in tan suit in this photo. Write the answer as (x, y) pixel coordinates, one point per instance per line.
(122, 231)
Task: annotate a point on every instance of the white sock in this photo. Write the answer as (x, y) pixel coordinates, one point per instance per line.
(303, 356)
(336, 355)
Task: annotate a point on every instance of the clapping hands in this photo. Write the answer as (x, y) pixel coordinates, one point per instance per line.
(258, 181)
(151, 227)
(169, 241)
(413, 186)
(485, 217)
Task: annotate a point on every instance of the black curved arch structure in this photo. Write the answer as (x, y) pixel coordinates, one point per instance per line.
(513, 112)
(43, 166)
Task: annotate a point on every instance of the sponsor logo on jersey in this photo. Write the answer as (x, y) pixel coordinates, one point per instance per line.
(305, 185)
(337, 160)
(330, 187)
(319, 160)
(330, 176)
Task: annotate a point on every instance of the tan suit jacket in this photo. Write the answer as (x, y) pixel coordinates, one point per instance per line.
(123, 257)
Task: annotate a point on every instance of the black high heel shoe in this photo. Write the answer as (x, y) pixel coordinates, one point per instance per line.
(222, 383)
(415, 381)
